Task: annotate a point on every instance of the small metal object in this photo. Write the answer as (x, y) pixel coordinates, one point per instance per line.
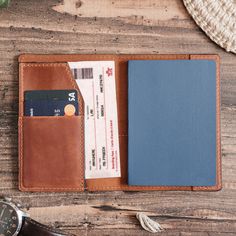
(69, 110)
(13, 220)
(20, 214)
(7, 199)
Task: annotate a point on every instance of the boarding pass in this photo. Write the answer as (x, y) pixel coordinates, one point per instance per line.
(96, 81)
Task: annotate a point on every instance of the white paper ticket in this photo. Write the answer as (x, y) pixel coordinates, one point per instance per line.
(96, 81)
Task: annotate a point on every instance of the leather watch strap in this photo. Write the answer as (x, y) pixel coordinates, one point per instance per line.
(33, 228)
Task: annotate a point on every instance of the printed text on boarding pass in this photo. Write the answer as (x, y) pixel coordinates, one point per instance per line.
(96, 81)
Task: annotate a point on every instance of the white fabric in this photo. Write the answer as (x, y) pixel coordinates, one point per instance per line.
(148, 224)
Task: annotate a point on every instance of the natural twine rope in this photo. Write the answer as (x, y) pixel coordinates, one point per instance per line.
(148, 224)
(217, 18)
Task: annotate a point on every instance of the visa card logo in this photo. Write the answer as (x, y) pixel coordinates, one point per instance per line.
(71, 97)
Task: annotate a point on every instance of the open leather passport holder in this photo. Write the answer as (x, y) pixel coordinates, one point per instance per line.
(51, 149)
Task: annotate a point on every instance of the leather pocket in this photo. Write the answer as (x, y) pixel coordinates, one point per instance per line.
(46, 76)
(51, 153)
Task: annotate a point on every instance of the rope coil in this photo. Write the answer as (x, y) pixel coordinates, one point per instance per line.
(217, 19)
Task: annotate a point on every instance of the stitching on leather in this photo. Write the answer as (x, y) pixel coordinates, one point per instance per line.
(22, 86)
(218, 123)
(21, 150)
(130, 57)
(75, 87)
(137, 188)
(67, 57)
(21, 127)
(68, 72)
(81, 127)
(154, 56)
(48, 117)
(218, 182)
(48, 188)
(82, 165)
(218, 136)
(69, 75)
(21, 132)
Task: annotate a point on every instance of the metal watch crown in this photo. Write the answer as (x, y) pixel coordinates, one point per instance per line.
(7, 199)
(18, 205)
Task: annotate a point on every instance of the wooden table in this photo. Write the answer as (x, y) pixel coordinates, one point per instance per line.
(118, 26)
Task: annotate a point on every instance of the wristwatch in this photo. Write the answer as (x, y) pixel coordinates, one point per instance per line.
(15, 222)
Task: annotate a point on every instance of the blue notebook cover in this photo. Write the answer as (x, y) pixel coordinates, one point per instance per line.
(172, 123)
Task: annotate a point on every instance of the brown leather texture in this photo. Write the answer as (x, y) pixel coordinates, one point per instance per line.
(41, 72)
(33, 228)
(51, 149)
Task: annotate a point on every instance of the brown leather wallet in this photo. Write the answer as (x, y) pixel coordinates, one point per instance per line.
(55, 162)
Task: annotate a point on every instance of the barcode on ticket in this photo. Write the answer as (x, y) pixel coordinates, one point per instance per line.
(83, 73)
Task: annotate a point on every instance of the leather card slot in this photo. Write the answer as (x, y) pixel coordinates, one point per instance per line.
(51, 151)
(46, 76)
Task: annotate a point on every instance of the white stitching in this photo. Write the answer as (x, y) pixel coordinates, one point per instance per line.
(21, 164)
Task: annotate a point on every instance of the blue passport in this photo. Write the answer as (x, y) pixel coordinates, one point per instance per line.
(172, 123)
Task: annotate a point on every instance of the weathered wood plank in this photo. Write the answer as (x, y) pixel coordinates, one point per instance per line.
(147, 11)
(122, 27)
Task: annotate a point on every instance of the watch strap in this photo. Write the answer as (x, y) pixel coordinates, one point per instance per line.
(31, 227)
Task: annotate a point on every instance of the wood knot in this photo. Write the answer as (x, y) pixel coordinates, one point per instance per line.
(78, 4)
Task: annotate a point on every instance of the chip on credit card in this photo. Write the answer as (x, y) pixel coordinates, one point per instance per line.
(51, 103)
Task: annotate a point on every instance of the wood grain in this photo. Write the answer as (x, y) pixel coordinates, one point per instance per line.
(122, 26)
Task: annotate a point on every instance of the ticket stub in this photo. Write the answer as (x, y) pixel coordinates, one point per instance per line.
(96, 81)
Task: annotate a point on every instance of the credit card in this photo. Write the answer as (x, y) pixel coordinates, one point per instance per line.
(51, 103)
(96, 81)
(65, 95)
